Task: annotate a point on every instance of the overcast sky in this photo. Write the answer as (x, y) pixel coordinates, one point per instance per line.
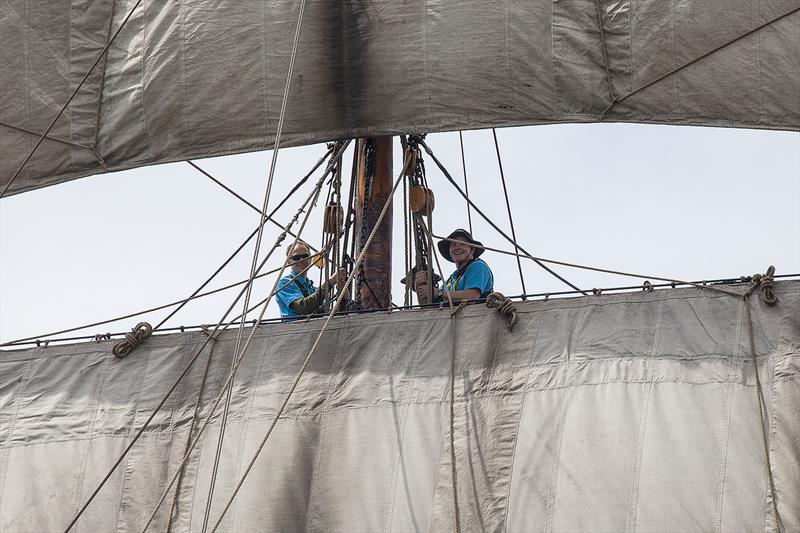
(689, 203)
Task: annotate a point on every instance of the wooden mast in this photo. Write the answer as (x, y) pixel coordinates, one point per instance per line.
(376, 290)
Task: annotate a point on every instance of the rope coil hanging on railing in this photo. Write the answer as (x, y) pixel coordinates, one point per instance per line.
(132, 340)
(504, 306)
(766, 282)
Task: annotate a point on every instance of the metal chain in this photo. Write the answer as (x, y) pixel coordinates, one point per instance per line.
(369, 175)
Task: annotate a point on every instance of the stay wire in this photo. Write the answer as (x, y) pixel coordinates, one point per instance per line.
(596, 269)
(196, 294)
(508, 208)
(71, 97)
(307, 360)
(244, 200)
(311, 201)
(183, 374)
(487, 219)
(675, 70)
(466, 183)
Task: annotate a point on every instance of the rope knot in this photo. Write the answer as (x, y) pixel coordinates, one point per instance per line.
(766, 283)
(648, 287)
(132, 339)
(504, 306)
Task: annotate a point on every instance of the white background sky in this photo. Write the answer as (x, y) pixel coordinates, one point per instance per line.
(689, 203)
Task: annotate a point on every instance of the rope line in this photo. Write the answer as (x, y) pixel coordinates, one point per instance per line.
(767, 292)
(508, 208)
(246, 202)
(604, 49)
(69, 100)
(596, 269)
(312, 199)
(466, 183)
(196, 294)
(452, 409)
(311, 352)
(248, 292)
(174, 510)
(486, 218)
(675, 70)
(191, 362)
(47, 137)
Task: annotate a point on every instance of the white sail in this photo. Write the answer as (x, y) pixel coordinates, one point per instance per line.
(632, 412)
(199, 78)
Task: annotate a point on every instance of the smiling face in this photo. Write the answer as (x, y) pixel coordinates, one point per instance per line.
(461, 253)
(300, 265)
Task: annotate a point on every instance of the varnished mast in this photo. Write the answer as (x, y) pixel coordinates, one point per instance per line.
(376, 288)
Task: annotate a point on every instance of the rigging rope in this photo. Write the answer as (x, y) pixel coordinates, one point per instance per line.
(312, 199)
(452, 414)
(486, 218)
(508, 208)
(675, 70)
(765, 283)
(217, 328)
(174, 510)
(311, 352)
(69, 100)
(466, 183)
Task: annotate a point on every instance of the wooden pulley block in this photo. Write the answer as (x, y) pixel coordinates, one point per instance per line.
(421, 199)
(412, 162)
(334, 219)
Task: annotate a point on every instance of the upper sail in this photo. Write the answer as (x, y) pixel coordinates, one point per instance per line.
(198, 78)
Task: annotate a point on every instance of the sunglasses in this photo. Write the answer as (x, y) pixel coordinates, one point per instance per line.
(299, 257)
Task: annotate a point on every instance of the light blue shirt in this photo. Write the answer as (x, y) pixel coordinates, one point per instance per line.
(477, 275)
(288, 292)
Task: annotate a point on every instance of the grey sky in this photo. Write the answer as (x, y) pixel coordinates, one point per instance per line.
(682, 202)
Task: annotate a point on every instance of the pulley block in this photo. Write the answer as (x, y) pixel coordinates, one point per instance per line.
(421, 200)
(334, 219)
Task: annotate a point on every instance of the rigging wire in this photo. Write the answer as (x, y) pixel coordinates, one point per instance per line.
(217, 327)
(545, 295)
(675, 70)
(244, 200)
(486, 218)
(595, 269)
(71, 97)
(508, 208)
(362, 253)
(466, 183)
(238, 360)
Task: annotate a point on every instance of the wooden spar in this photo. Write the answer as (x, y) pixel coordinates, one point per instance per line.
(378, 257)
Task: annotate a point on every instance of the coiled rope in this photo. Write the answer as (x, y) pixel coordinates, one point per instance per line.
(132, 340)
(504, 306)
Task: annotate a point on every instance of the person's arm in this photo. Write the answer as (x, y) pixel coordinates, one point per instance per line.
(311, 303)
(463, 295)
(421, 287)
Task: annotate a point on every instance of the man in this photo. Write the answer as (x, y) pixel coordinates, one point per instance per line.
(472, 279)
(296, 294)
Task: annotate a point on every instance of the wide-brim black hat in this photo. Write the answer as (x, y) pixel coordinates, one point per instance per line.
(459, 235)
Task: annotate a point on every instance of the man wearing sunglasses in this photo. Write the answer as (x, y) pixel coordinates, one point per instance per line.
(296, 294)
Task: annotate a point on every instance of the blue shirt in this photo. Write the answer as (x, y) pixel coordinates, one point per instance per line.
(477, 275)
(288, 292)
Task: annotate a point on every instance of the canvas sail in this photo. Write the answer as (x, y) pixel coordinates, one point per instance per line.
(631, 412)
(200, 78)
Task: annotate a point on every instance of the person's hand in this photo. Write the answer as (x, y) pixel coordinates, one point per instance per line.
(421, 281)
(338, 279)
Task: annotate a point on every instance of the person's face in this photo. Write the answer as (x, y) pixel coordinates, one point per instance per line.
(300, 263)
(460, 253)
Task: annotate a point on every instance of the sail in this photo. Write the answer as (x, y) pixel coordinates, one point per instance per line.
(630, 412)
(202, 78)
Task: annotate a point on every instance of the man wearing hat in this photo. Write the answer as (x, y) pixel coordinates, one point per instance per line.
(472, 279)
